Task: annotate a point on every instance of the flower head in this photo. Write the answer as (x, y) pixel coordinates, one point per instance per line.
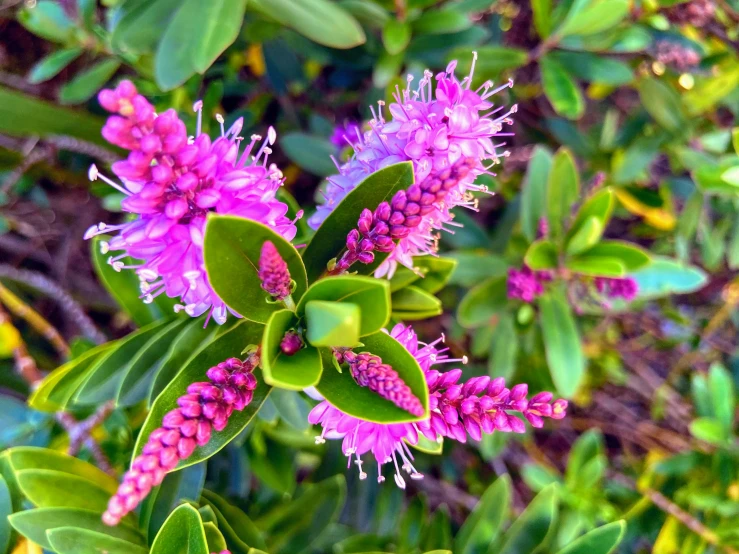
(273, 272)
(440, 127)
(345, 134)
(171, 182)
(626, 288)
(526, 284)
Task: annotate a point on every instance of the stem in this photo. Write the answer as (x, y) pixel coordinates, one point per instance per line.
(289, 303)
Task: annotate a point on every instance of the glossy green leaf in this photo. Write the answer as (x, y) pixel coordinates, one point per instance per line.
(33, 524)
(663, 104)
(436, 270)
(483, 525)
(197, 34)
(599, 206)
(542, 12)
(230, 343)
(561, 89)
(6, 509)
(233, 246)
(531, 528)
(237, 524)
(483, 302)
(85, 85)
(139, 28)
(309, 152)
(563, 190)
(588, 18)
(46, 488)
(541, 255)
(396, 35)
(295, 372)
(630, 255)
(415, 303)
(534, 191)
(330, 238)
(214, 538)
(597, 266)
(103, 379)
(51, 65)
(182, 533)
(140, 371)
(332, 323)
(586, 236)
(371, 295)
(48, 20)
(342, 391)
(562, 345)
(320, 20)
(72, 540)
(122, 285)
(601, 540)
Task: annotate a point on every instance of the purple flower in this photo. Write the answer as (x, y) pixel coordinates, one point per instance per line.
(343, 135)
(205, 408)
(171, 183)
(291, 343)
(438, 128)
(526, 284)
(626, 288)
(274, 273)
(480, 405)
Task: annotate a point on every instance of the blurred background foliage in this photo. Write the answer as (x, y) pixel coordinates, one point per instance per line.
(625, 131)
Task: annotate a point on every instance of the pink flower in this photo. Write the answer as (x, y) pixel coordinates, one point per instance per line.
(626, 288)
(526, 284)
(171, 183)
(480, 405)
(274, 273)
(437, 128)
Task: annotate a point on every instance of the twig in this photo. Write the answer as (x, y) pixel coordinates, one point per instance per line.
(82, 147)
(68, 304)
(34, 319)
(39, 154)
(669, 507)
(80, 434)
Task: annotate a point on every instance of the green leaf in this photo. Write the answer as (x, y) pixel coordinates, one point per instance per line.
(586, 236)
(593, 16)
(709, 91)
(386, 69)
(6, 510)
(587, 447)
(440, 22)
(370, 14)
(438, 530)
(594, 69)
(340, 390)
(48, 20)
(503, 349)
(710, 178)
(474, 267)
(602, 540)
(233, 246)
(534, 192)
(630, 255)
(561, 89)
(71, 540)
(295, 372)
(562, 345)
(85, 85)
(395, 36)
(33, 524)
(197, 34)
(542, 11)
(234, 522)
(216, 541)
(46, 488)
(31, 457)
(538, 477)
(182, 533)
(230, 343)
(533, 525)
(332, 323)
(563, 190)
(415, 303)
(330, 238)
(309, 152)
(708, 429)
(597, 266)
(723, 401)
(663, 104)
(140, 25)
(541, 255)
(320, 20)
(122, 285)
(51, 65)
(483, 525)
(599, 206)
(483, 302)
(370, 294)
(436, 270)
(140, 371)
(292, 408)
(296, 524)
(103, 379)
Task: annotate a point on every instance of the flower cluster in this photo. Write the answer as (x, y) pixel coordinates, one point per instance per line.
(480, 405)
(171, 182)
(369, 371)
(526, 284)
(273, 272)
(438, 128)
(626, 288)
(206, 407)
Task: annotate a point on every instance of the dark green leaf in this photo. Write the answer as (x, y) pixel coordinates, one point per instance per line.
(72, 540)
(504, 349)
(330, 238)
(46, 488)
(182, 533)
(51, 65)
(441, 22)
(89, 82)
(341, 391)
(594, 69)
(483, 525)
(139, 28)
(309, 152)
(562, 344)
(233, 246)
(534, 192)
(602, 540)
(438, 530)
(319, 20)
(663, 104)
(231, 343)
(295, 372)
(412, 300)
(396, 35)
(532, 526)
(483, 302)
(6, 509)
(561, 89)
(370, 294)
(473, 267)
(238, 524)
